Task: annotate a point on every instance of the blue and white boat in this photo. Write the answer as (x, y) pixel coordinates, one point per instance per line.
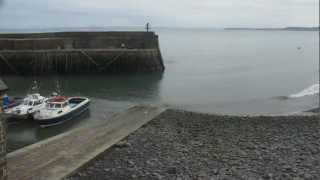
(29, 105)
(60, 109)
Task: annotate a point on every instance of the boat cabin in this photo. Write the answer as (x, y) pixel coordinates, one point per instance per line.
(57, 102)
(56, 105)
(29, 102)
(33, 100)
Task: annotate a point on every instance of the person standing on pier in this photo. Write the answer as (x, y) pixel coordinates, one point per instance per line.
(148, 27)
(5, 101)
(4, 97)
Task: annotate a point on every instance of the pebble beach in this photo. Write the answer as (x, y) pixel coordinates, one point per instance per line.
(187, 145)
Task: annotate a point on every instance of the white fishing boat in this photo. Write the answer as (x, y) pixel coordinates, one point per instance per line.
(30, 104)
(60, 109)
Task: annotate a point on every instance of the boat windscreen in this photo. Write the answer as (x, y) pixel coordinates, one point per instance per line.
(37, 103)
(50, 105)
(57, 105)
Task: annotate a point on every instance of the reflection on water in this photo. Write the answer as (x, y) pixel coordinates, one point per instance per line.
(114, 87)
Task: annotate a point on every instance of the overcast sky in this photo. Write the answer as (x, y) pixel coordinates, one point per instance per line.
(167, 13)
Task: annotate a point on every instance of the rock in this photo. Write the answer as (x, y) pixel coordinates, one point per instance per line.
(131, 163)
(179, 178)
(196, 143)
(315, 162)
(314, 150)
(286, 168)
(183, 150)
(133, 176)
(307, 176)
(243, 153)
(172, 170)
(157, 175)
(224, 177)
(122, 144)
(81, 174)
(150, 163)
(215, 171)
(270, 175)
(202, 174)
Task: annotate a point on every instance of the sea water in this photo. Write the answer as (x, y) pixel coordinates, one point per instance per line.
(207, 70)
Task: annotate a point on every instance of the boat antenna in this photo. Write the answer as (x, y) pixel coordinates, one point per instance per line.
(35, 88)
(58, 87)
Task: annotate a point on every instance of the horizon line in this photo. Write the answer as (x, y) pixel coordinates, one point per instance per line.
(143, 26)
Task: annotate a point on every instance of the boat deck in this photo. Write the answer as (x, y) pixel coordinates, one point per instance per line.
(63, 155)
(72, 105)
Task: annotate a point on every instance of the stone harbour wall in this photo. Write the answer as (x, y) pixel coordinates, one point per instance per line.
(3, 139)
(80, 52)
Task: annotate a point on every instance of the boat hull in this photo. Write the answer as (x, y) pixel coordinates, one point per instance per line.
(62, 119)
(20, 116)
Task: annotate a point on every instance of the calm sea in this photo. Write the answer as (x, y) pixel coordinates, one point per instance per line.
(207, 70)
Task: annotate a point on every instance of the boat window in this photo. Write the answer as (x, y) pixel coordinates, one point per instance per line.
(26, 103)
(30, 103)
(37, 103)
(58, 106)
(51, 105)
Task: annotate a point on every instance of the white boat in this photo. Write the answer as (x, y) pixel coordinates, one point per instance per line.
(60, 109)
(30, 104)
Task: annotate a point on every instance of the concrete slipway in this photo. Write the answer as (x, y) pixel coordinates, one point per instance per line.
(60, 156)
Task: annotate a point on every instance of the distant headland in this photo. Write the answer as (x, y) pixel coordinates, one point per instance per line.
(278, 29)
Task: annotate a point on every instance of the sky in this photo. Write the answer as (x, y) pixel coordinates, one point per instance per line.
(160, 13)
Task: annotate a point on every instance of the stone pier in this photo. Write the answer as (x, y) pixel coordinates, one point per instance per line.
(80, 52)
(61, 156)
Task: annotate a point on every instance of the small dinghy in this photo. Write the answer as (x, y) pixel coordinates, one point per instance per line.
(60, 109)
(25, 110)
(16, 101)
